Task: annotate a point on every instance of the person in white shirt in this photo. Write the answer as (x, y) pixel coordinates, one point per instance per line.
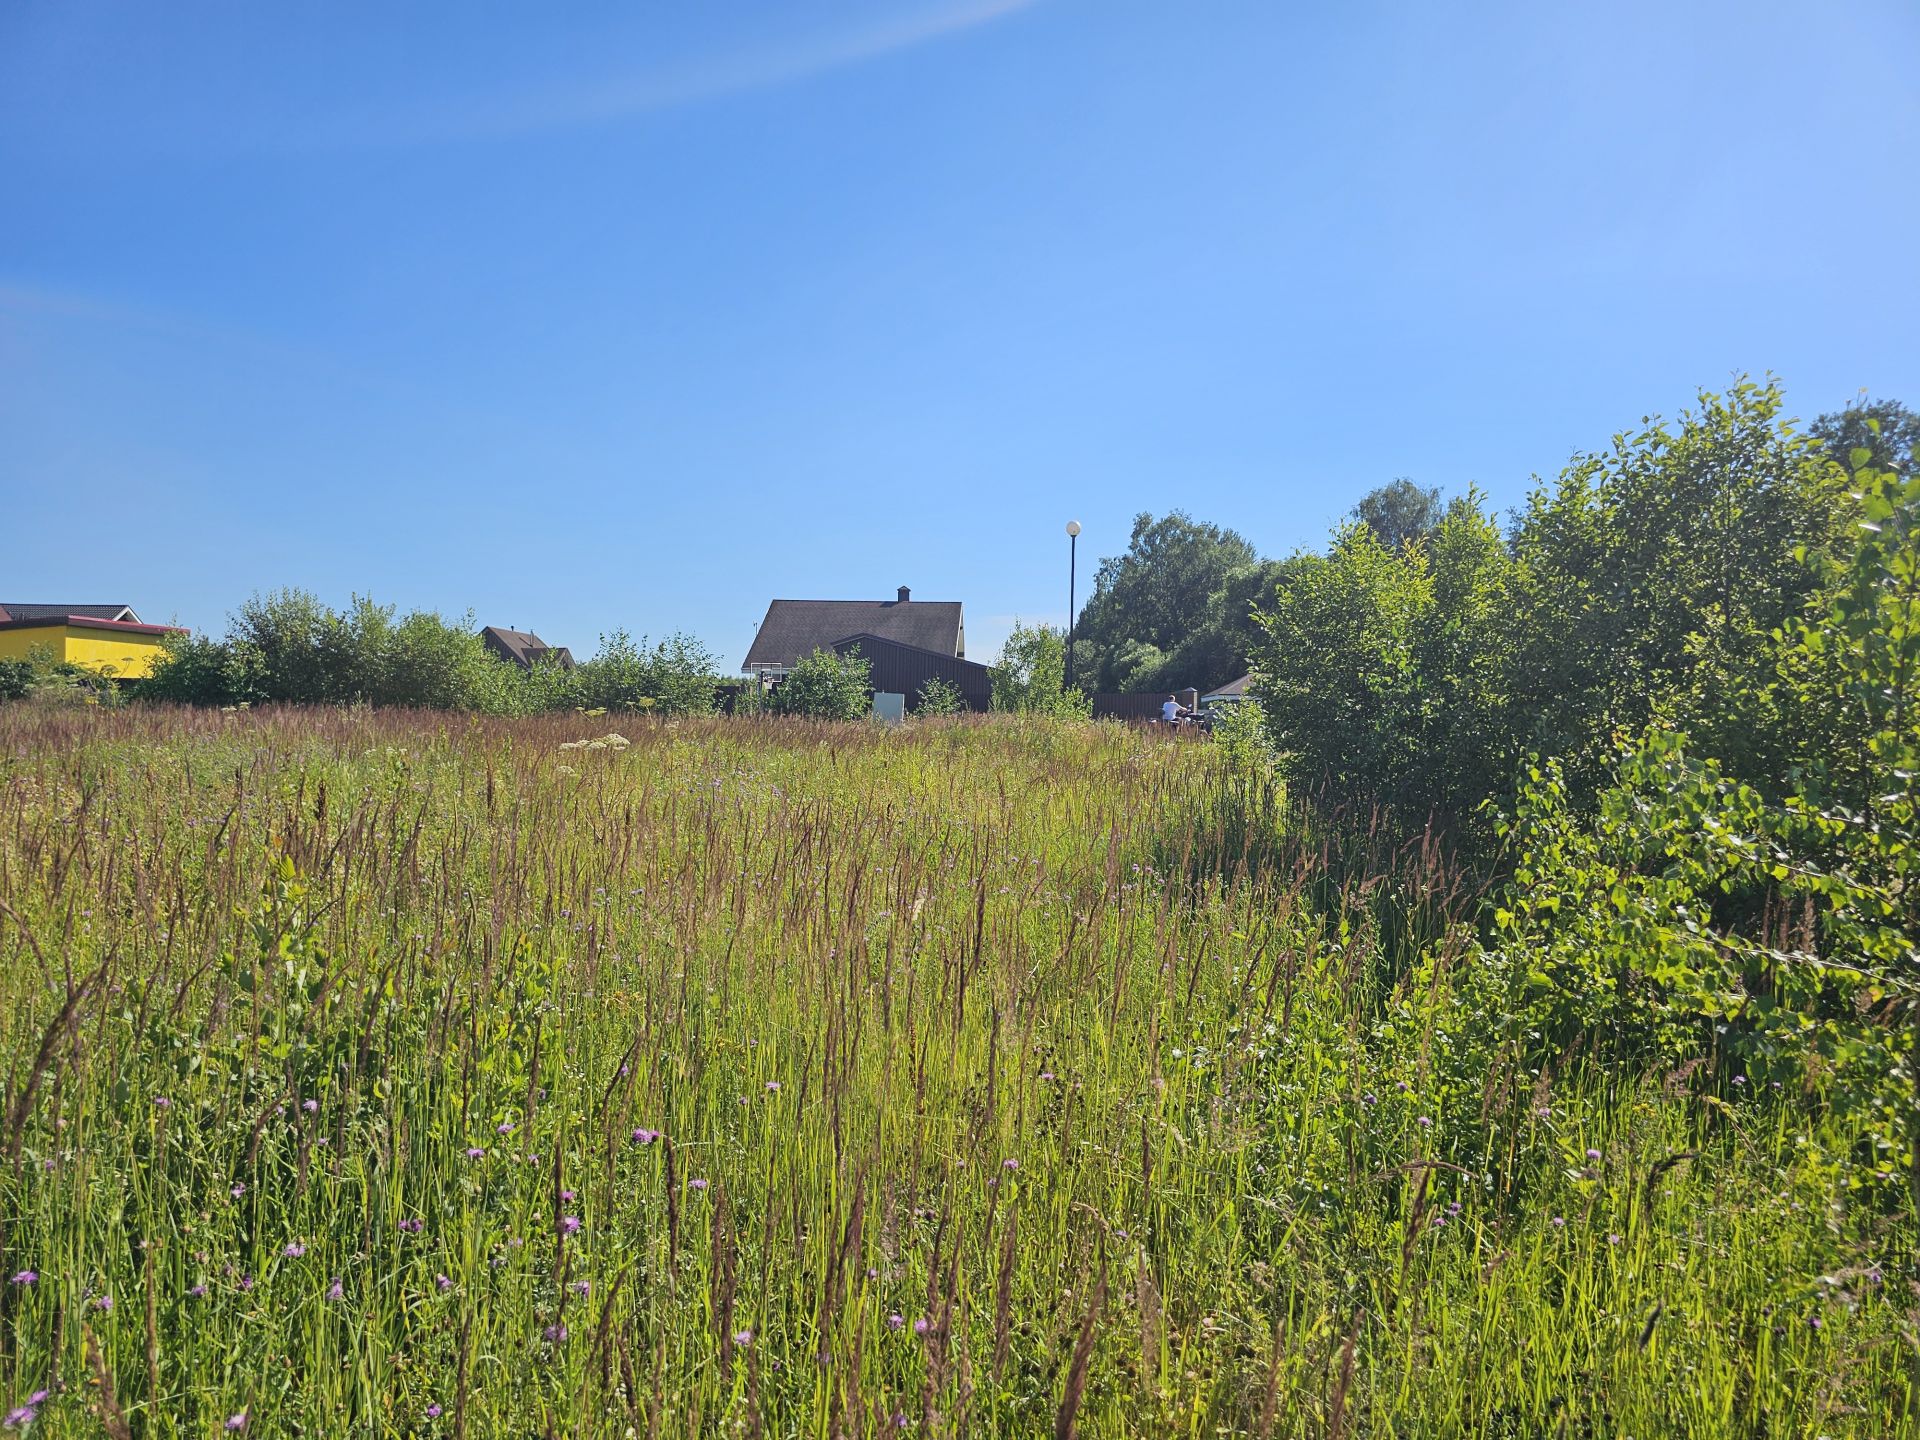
(1171, 711)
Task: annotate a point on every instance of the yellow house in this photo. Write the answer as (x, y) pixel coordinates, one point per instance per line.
(108, 639)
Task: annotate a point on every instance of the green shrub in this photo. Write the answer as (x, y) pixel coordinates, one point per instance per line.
(826, 685)
(937, 698)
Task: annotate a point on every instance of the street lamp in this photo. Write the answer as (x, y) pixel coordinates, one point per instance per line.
(1073, 545)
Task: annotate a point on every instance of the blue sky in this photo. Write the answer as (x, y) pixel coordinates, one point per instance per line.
(641, 314)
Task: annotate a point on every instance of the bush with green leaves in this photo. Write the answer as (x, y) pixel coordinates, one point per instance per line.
(937, 698)
(1692, 914)
(677, 676)
(1644, 585)
(826, 685)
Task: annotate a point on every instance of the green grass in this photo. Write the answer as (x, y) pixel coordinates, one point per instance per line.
(1012, 1031)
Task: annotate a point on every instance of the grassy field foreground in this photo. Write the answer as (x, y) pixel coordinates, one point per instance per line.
(377, 1074)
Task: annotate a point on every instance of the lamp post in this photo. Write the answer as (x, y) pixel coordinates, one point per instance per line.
(1073, 546)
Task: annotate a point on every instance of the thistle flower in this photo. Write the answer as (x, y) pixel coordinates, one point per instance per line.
(474, 1152)
(443, 1282)
(1592, 1154)
(1009, 1164)
(198, 1292)
(567, 1195)
(1559, 1222)
(104, 1304)
(294, 1250)
(555, 1333)
(743, 1338)
(696, 1184)
(582, 1288)
(645, 1137)
(433, 1412)
(237, 1191)
(161, 1102)
(413, 1226)
(773, 1087)
(312, 1107)
(505, 1127)
(1425, 1122)
(27, 1277)
(237, 1422)
(896, 1322)
(922, 1325)
(336, 1291)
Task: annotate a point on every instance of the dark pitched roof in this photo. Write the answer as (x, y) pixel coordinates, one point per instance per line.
(21, 610)
(523, 647)
(794, 629)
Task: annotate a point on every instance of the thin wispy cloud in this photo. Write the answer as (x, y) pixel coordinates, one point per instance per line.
(591, 102)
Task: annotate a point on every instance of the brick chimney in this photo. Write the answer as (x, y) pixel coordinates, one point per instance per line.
(905, 595)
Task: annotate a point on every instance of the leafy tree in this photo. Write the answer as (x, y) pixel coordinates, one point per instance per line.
(1651, 575)
(1887, 430)
(826, 685)
(1030, 676)
(1399, 512)
(1150, 601)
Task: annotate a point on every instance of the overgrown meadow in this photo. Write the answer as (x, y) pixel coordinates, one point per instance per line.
(379, 1073)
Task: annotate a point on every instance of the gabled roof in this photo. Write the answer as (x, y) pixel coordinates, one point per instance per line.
(794, 629)
(523, 647)
(22, 610)
(1236, 689)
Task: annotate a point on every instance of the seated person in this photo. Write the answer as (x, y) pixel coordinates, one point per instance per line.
(1172, 712)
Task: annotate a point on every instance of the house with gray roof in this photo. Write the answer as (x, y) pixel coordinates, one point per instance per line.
(794, 629)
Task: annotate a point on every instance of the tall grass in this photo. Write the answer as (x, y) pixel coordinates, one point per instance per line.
(384, 1073)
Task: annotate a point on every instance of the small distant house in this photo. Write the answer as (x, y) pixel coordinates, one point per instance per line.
(524, 648)
(109, 639)
(1228, 695)
(906, 641)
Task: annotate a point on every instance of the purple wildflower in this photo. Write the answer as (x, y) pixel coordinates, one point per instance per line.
(555, 1333)
(1613, 1239)
(1592, 1154)
(237, 1422)
(237, 1191)
(567, 1195)
(505, 1127)
(27, 1277)
(198, 1292)
(570, 1225)
(246, 1283)
(161, 1102)
(582, 1288)
(743, 1337)
(336, 1291)
(645, 1137)
(896, 1322)
(474, 1152)
(1009, 1164)
(294, 1250)
(1369, 1098)
(413, 1226)
(696, 1184)
(773, 1087)
(1558, 1222)
(1425, 1122)
(20, 1417)
(443, 1282)
(433, 1412)
(104, 1304)
(312, 1107)
(922, 1325)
